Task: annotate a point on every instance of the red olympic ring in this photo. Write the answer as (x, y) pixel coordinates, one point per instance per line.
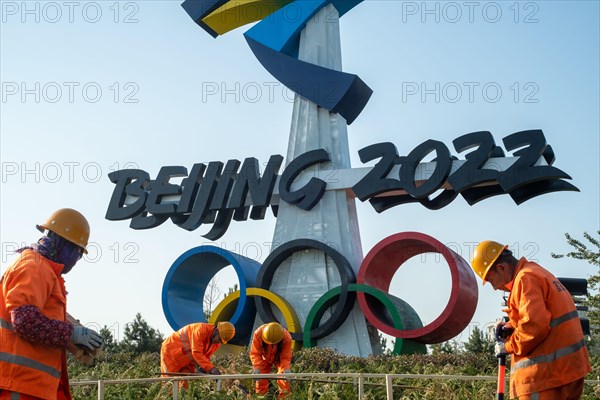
(382, 262)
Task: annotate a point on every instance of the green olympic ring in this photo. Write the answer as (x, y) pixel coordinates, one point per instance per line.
(398, 310)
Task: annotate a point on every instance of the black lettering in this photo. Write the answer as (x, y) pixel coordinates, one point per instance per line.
(310, 194)
(190, 187)
(261, 189)
(376, 181)
(408, 168)
(160, 187)
(524, 170)
(200, 211)
(130, 182)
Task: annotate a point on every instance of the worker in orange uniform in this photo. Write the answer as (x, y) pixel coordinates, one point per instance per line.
(33, 329)
(189, 349)
(271, 346)
(543, 334)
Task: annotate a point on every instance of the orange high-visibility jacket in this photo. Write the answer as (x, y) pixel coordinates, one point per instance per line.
(189, 345)
(25, 367)
(264, 355)
(547, 344)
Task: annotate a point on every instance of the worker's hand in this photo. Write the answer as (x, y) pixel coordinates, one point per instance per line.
(85, 337)
(254, 372)
(500, 349)
(502, 330)
(214, 371)
(287, 371)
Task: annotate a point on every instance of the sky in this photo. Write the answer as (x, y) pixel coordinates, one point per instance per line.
(93, 87)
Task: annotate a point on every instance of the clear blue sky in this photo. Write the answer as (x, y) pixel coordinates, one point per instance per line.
(60, 136)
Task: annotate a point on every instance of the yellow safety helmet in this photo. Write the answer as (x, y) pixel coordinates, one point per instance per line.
(69, 224)
(484, 256)
(226, 331)
(272, 333)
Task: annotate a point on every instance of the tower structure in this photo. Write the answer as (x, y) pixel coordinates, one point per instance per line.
(304, 278)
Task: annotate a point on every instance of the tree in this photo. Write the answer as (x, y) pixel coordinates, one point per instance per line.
(211, 297)
(592, 301)
(231, 290)
(109, 344)
(449, 347)
(479, 342)
(378, 341)
(139, 337)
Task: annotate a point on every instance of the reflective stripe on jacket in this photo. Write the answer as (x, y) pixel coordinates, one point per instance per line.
(190, 344)
(547, 344)
(264, 356)
(26, 367)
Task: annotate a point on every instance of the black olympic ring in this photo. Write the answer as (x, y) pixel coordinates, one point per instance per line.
(347, 276)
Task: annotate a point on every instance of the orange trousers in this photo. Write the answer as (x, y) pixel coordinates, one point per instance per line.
(570, 391)
(7, 395)
(262, 385)
(188, 369)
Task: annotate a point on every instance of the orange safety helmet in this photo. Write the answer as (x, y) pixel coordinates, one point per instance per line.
(272, 333)
(69, 224)
(484, 256)
(226, 331)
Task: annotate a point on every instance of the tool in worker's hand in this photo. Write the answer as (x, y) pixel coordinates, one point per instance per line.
(502, 331)
(243, 389)
(501, 375)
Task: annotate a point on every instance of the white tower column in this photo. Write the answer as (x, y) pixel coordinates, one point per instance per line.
(303, 280)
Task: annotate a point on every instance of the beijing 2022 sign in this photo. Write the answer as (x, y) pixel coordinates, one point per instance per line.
(220, 192)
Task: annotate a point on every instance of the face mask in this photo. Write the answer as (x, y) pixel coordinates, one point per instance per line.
(46, 247)
(69, 256)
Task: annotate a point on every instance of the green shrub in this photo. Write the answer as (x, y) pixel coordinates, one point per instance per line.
(129, 365)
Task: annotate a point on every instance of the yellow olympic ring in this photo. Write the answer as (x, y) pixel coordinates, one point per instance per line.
(227, 306)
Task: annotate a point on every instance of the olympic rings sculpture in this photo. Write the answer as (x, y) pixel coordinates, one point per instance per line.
(186, 281)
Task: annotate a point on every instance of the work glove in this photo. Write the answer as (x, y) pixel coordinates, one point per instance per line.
(287, 371)
(86, 338)
(255, 371)
(502, 330)
(214, 371)
(499, 349)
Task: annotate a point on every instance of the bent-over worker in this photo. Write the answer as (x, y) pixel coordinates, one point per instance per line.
(271, 347)
(189, 349)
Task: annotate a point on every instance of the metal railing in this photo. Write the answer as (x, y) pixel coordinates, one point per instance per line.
(357, 379)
